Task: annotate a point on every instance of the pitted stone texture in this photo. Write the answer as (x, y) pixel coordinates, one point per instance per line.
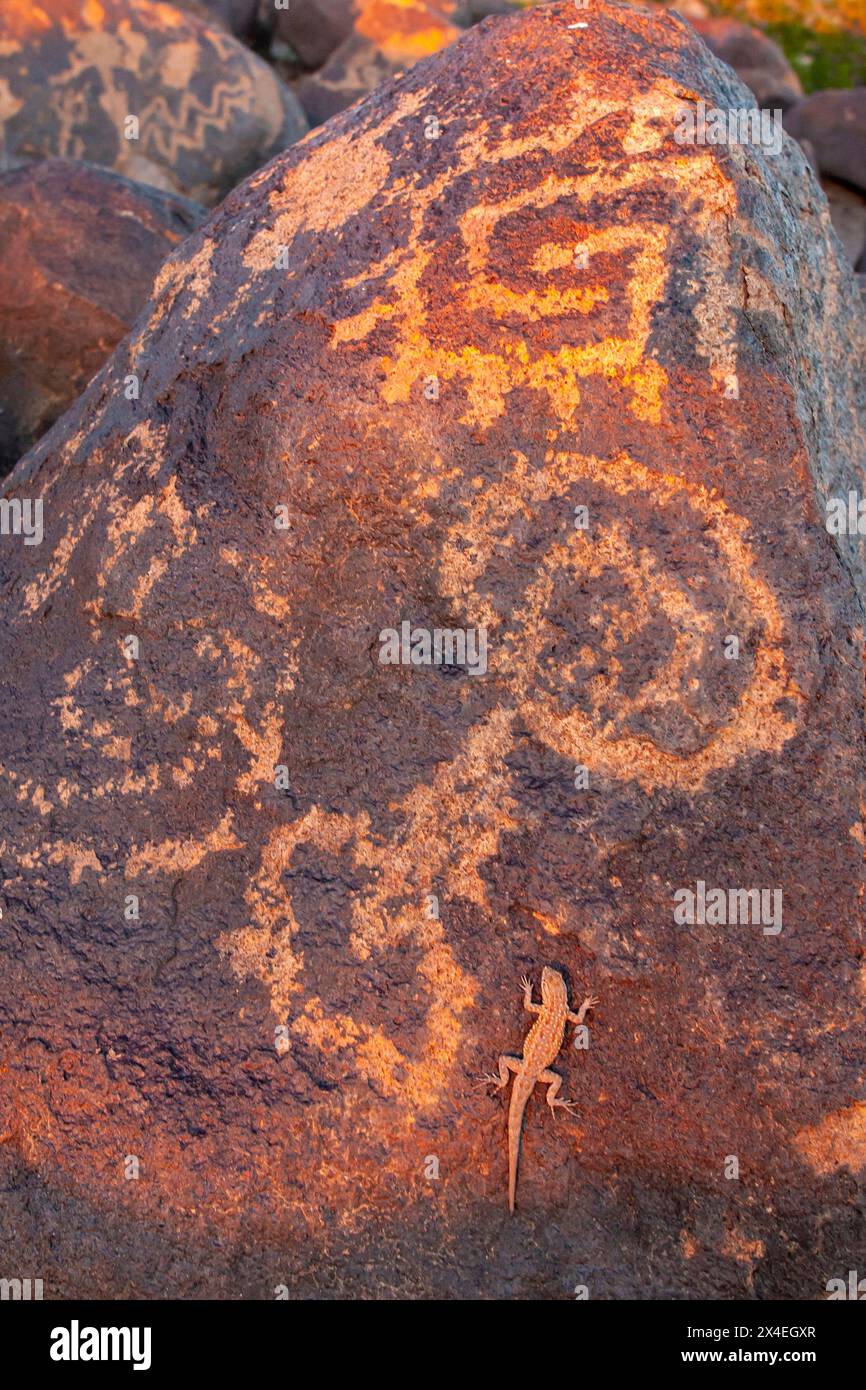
(79, 247)
(431, 352)
(209, 111)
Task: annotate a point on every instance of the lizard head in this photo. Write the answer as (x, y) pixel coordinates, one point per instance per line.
(553, 990)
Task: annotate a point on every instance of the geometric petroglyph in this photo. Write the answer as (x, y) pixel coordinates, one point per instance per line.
(489, 304)
(503, 305)
(489, 374)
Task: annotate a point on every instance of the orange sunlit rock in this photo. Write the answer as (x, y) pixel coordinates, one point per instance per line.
(404, 30)
(496, 355)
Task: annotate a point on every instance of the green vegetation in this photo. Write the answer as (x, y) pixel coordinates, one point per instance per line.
(822, 60)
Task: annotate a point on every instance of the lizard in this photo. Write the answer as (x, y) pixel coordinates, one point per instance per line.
(540, 1047)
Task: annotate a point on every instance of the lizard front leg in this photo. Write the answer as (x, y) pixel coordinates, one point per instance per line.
(526, 986)
(552, 1080)
(589, 1003)
(506, 1064)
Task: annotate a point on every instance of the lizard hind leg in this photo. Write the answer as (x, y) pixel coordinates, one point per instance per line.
(552, 1080)
(507, 1065)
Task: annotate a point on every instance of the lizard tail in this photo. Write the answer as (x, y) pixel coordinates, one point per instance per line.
(515, 1124)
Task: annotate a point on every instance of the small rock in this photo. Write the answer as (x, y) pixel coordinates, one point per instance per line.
(316, 28)
(388, 40)
(398, 28)
(350, 74)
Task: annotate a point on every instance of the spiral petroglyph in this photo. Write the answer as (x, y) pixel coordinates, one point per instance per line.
(611, 736)
(573, 703)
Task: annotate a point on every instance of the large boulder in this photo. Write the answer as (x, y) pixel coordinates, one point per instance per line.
(498, 355)
(156, 94)
(79, 247)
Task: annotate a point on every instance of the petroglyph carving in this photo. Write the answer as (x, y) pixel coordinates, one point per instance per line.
(518, 301)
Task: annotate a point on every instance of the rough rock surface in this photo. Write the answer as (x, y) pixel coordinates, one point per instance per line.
(755, 58)
(79, 247)
(431, 352)
(209, 111)
(834, 123)
(388, 39)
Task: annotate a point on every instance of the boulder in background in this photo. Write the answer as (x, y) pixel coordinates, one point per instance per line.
(387, 39)
(755, 58)
(79, 248)
(834, 124)
(208, 110)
